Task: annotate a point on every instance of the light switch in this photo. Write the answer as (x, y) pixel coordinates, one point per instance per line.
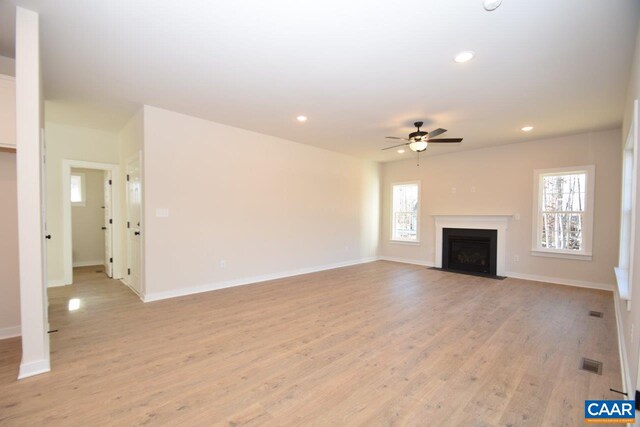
(162, 212)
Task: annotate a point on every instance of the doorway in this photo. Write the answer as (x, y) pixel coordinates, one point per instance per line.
(91, 217)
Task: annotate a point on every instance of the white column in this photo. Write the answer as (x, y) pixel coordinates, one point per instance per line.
(33, 296)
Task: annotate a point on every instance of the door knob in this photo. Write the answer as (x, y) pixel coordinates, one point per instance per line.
(137, 233)
(48, 236)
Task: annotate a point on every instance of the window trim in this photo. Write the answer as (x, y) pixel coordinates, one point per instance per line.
(403, 241)
(585, 253)
(624, 270)
(83, 189)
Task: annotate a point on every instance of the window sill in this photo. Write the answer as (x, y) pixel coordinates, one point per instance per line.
(561, 254)
(405, 242)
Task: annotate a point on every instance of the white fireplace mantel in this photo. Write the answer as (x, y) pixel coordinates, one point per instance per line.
(482, 222)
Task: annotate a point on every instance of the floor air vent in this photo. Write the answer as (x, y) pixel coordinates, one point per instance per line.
(590, 365)
(596, 313)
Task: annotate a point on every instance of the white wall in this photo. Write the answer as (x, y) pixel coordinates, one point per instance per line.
(75, 143)
(631, 318)
(502, 178)
(87, 221)
(9, 274)
(263, 205)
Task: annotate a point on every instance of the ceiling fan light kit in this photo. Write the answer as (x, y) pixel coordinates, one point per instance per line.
(491, 5)
(419, 140)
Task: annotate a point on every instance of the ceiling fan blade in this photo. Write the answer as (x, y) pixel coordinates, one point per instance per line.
(395, 137)
(436, 132)
(395, 146)
(444, 140)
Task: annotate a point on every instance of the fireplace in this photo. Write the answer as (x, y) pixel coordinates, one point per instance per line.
(470, 250)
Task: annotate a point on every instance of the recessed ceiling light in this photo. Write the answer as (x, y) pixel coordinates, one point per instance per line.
(464, 56)
(527, 128)
(301, 119)
(490, 5)
(401, 151)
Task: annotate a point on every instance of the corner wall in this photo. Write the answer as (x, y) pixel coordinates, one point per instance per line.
(499, 180)
(244, 206)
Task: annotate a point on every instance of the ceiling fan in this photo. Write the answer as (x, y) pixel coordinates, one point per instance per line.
(419, 140)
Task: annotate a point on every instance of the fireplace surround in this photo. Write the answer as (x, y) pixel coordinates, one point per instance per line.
(499, 223)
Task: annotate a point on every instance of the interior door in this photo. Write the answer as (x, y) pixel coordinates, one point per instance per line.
(134, 206)
(108, 226)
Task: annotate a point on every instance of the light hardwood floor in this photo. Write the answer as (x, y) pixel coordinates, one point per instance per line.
(375, 344)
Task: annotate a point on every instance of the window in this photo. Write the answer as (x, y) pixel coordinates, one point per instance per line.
(406, 205)
(564, 212)
(624, 270)
(77, 193)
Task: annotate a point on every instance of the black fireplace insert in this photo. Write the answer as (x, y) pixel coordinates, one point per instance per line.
(470, 250)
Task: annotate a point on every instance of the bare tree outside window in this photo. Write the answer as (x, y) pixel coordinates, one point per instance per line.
(562, 211)
(405, 212)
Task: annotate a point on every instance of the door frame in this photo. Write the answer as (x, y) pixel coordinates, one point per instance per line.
(67, 246)
(137, 157)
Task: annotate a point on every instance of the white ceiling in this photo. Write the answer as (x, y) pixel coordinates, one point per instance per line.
(360, 70)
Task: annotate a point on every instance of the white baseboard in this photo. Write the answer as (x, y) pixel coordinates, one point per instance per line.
(99, 262)
(157, 296)
(407, 261)
(10, 332)
(627, 386)
(128, 285)
(560, 281)
(34, 368)
(52, 283)
(533, 277)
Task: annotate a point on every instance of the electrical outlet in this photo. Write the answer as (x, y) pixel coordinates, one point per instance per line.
(517, 217)
(453, 190)
(516, 258)
(472, 189)
(223, 264)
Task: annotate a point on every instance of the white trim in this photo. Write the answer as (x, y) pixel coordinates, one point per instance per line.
(34, 368)
(522, 276)
(10, 332)
(625, 269)
(128, 285)
(67, 246)
(407, 261)
(587, 230)
(550, 253)
(405, 242)
(500, 223)
(54, 283)
(418, 219)
(99, 262)
(622, 348)
(561, 281)
(157, 296)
